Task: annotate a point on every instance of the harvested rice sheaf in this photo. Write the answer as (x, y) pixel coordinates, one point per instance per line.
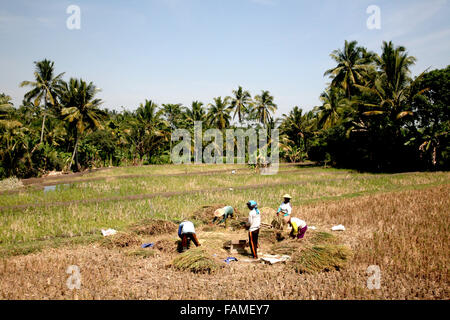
(121, 240)
(154, 227)
(285, 247)
(322, 237)
(267, 214)
(196, 260)
(166, 245)
(321, 257)
(238, 223)
(271, 235)
(143, 253)
(205, 214)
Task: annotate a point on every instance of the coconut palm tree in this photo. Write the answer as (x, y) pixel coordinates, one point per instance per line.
(332, 108)
(12, 136)
(80, 109)
(353, 63)
(218, 113)
(172, 113)
(44, 88)
(264, 107)
(240, 102)
(297, 127)
(195, 113)
(5, 105)
(392, 91)
(150, 130)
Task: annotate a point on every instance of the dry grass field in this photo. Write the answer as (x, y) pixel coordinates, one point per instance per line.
(399, 223)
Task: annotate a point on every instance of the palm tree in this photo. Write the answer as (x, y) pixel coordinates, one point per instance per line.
(44, 87)
(393, 90)
(195, 113)
(149, 129)
(239, 103)
(5, 105)
(297, 127)
(353, 64)
(172, 113)
(80, 109)
(264, 106)
(12, 136)
(218, 113)
(332, 108)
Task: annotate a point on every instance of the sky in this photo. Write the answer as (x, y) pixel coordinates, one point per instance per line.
(178, 51)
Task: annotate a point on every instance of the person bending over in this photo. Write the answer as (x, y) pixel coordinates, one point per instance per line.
(186, 232)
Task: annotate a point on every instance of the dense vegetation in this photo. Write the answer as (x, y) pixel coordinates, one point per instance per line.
(374, 116)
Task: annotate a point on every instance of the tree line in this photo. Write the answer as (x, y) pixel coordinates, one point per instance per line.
(373, 116)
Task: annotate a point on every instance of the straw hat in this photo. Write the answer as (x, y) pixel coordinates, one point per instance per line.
(287, 196)
(219, 212)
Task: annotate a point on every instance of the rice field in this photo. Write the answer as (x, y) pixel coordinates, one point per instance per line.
(397, 222)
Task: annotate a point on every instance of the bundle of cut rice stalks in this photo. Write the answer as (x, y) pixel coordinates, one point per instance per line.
(238, 223)
(154, 227)
(196, 260)
(287, 247)
(321, 257)
(121, 240)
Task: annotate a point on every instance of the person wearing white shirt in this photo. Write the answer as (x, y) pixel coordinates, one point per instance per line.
(285, 208)
(254, 223)
(186, 231)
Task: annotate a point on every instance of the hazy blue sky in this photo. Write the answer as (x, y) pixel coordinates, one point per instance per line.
(182, 50)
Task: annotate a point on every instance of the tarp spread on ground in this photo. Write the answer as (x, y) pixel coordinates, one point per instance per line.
(274, 258)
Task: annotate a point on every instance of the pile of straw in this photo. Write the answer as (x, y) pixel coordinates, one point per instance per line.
(321, 257)
(196, 260)
(121, 240)
(154, 227)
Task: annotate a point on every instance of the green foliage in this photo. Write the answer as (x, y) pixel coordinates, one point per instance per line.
(373, 116)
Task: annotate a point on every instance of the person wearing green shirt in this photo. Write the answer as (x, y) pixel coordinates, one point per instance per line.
(223, 214)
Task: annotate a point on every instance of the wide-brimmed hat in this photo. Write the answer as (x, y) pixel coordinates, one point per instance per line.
(219, 212)
(287, 196)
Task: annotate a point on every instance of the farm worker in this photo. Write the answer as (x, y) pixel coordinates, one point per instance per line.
(254, 223)
(299, 227)
(285, 208)
(186, 232)
(224, 213)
